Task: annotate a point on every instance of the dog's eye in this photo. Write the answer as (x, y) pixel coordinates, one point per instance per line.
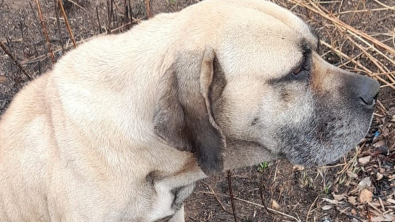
(302, 71)
(297, 71)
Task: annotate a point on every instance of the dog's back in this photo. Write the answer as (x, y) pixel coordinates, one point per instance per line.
(25, 136)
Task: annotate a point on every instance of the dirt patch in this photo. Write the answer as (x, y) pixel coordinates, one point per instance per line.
(270, 192)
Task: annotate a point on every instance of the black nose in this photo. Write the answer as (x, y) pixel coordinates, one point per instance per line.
(366, 90)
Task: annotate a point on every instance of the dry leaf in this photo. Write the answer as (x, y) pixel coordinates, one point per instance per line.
(391, 201)
(379, 143)
(331, 201)
(352, 200)
(326, 207)
(3, 79)
(365, 196)
(385, 217)
(365, 182)
(338, 197)
(275, 205)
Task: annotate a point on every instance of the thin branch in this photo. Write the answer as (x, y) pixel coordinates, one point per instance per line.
(39, 31)
(147, 7)
(98, 19)
(216, 197)
(45, 31)
(67, 23)
(259, 205)
(358, 64)
(58, 24)
(231, 195)
(318, 9)
(79, 6)
(311, 206)
(14, 60)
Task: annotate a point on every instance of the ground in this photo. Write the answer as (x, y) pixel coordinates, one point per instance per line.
(359, 187)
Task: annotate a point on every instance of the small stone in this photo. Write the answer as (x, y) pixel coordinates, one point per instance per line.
(353, 212)
(275, 205)
(364, 160)
(365, 196)
(379, 176)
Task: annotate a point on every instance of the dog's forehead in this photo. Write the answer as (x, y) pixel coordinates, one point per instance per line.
(259, 44)
(253, 37)
(283, 15)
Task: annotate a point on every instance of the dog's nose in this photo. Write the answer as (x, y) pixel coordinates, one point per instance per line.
(366, 90)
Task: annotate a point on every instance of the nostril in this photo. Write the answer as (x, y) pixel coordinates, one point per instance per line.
(368, 102)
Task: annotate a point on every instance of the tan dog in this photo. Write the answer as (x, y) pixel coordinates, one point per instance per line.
(123, 126)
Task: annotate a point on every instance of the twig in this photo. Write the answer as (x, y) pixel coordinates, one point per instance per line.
(308, 212)
(372, 47)
(58, 24)
(67, 23)
(15, 61)
(111, 12)
(259, 205)
(231, 194)
(147, 7)
(384, 5)
(79, 6)
(98, 19)
(318, 9)
(130, 13)
(45, 31)
(368, 213)
(38, 58)
(39, 31)
(125, 12)
(374, 60)
(21, 27)
(216, 197)
(270, 209)
(262, 199)
(109, 16)
(357, 63)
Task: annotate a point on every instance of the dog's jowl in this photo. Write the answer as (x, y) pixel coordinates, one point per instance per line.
(123, 126)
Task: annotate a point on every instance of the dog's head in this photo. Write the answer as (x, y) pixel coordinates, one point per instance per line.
(258, 79)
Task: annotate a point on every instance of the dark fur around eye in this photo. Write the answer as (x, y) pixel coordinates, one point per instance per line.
(303, 70)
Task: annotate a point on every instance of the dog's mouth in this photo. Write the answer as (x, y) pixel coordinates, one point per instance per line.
(324, 138)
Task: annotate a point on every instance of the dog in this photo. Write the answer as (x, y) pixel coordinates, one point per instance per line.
(123, 126)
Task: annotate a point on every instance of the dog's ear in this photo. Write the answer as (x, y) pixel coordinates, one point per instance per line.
(183, 116)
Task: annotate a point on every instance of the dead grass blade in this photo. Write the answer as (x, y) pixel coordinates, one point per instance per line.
(231, 195)
(67, 23)
(312, 6)
(15, 61)
(391, 85)
(147, 6)
(45, 31)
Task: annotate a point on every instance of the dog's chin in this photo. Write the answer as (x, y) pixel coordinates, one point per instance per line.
(318, 154)
(324, 145)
